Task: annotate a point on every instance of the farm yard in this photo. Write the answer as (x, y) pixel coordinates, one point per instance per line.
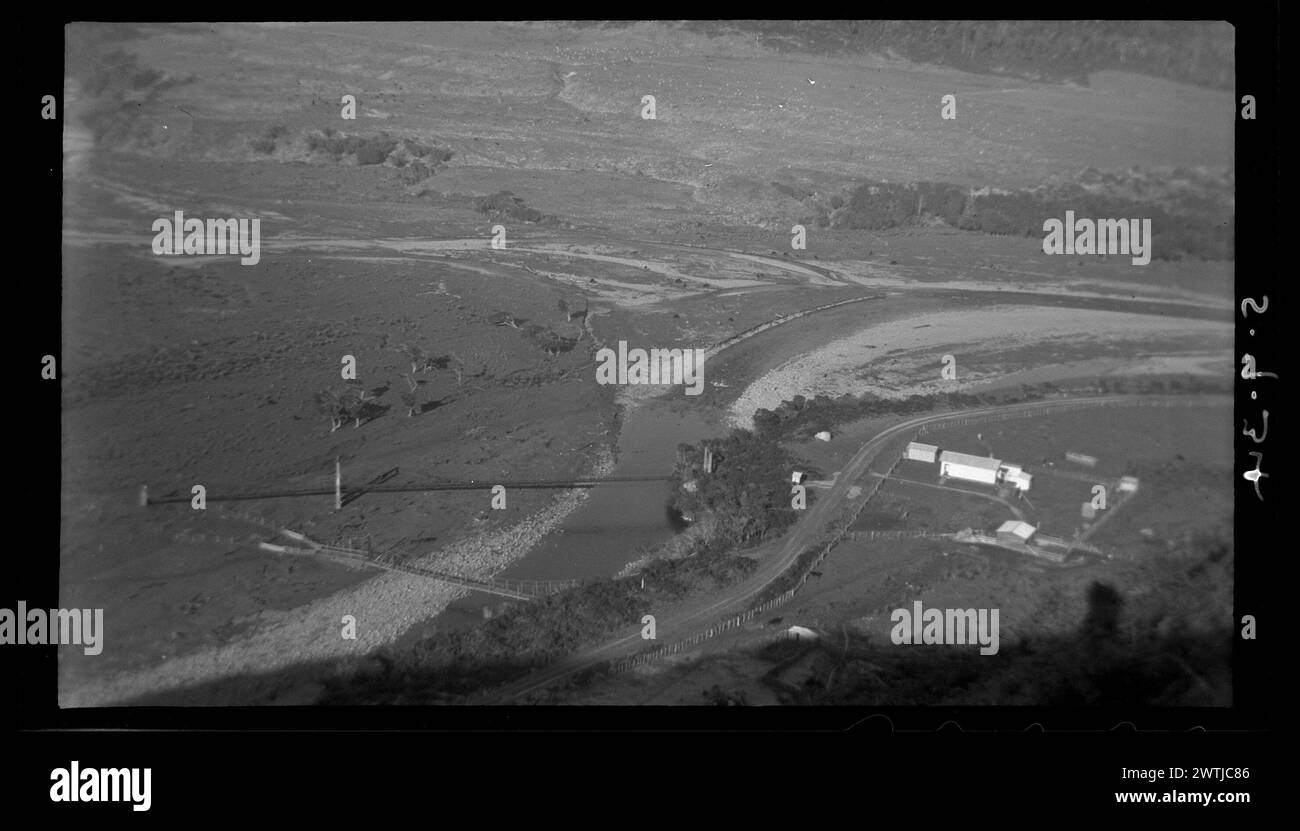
(1167, 584)
(1179, 449)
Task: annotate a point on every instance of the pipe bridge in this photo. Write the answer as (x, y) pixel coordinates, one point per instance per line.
(360, 558)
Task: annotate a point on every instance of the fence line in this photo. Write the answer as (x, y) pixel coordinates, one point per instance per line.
(352, 492)
(867, 536)
(678, 646)
(1061, 408)
(218, 539)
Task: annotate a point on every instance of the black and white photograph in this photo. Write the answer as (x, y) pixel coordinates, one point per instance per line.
(764, 364)
(648, 363)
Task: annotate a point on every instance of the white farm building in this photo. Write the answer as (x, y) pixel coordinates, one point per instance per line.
(1020, 480)
(1015, 475)
(921, 452)
(1013, 531)
(968, 467)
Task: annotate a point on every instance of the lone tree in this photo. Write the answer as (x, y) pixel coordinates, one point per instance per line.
(463, 368)
(411, 395)
(457, 365)
(329, 403)
(417, 357)
(411, 399)
(580, 315)
(422, 361)
(357, 388)
(551, 342)
(351, 404)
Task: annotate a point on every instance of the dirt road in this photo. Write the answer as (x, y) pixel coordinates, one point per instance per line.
(779, 556)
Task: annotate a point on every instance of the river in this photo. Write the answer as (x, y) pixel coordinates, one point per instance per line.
(618, 521)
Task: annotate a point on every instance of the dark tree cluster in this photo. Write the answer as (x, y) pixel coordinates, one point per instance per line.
(342, 405)
(506, 204)
(748, 491)
(366, 149)
(1193, 221)
(1042, 50)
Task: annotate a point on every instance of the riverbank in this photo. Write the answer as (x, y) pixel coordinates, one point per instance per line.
(902, 357)
(384, 609)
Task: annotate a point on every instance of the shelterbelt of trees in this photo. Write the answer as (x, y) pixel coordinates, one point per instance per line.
(799, 418)
(1191, 52)
(1190, 210)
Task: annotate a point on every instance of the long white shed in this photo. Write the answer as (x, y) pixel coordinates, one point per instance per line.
(968, 467)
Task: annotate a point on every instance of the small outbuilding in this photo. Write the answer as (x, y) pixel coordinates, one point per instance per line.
(797, 477)
(824, 435)
(917, 451)
(1128, 484)
(1016, 477)
(1016, 531)
(800, 633)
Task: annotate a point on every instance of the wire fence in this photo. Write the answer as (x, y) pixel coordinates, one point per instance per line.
(348, 494)
(1065, 406)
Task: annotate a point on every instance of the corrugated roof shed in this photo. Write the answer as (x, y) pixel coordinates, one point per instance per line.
(1023, 530)
(983, 462)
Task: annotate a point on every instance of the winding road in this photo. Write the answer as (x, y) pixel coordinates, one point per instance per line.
(776, 557)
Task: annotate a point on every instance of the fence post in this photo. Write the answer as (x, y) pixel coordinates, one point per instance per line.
(338, 484)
